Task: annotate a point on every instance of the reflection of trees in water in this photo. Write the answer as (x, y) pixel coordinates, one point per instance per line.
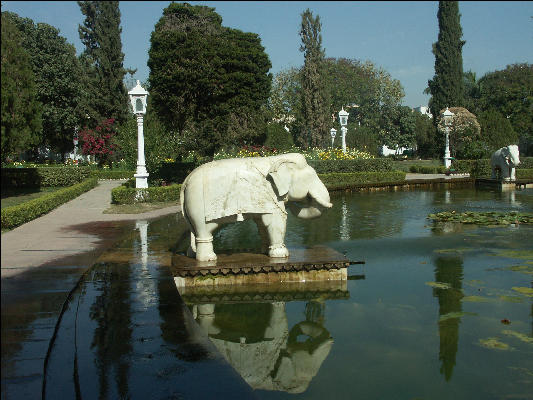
(449, 270)
(174, 324)
(112, 337)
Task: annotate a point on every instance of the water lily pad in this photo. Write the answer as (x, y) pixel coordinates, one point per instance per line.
(458, 314)
(524, 338)
(512, 299)
(522, 254)
(494, 343)
(477, 299)
(456, 250)
(439, 285)
(524, 290)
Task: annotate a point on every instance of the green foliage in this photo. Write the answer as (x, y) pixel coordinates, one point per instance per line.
(362, 138)
(208, 84)
(339, 181)
(21, 109)
(397, 127)
(427, 169)
(172, 172)
(314, 96)
(20, 214)
(510, 92)
(44, 176)
(358, 165)
(277, 137)
(522, 173)
(99, 141)
(426, 137)
(105, 95)
(446, 87)
(476, 168)
(496, 130)
(131, 195)
(112, 174)
(58, 80)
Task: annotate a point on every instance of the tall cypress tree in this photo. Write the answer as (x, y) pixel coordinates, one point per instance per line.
(315, 104)
(103, 61)
(446, 87)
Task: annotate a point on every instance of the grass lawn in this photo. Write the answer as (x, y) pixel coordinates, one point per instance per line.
(16, 196)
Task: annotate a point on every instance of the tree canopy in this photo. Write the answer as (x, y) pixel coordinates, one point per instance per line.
(446, 87)
(21, 109)
(208, 83)
(105, 94)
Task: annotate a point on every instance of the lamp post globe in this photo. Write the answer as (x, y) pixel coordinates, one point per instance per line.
(447, 116)
(138, 96)
(343, 120)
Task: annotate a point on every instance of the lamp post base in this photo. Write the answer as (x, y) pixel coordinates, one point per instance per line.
(141, 180)
(447, 162)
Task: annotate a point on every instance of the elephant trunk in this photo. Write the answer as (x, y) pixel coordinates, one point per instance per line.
(320, 194)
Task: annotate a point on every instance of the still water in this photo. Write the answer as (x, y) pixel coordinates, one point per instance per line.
(436, 312)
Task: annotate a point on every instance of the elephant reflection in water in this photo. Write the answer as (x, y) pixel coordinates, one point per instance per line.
(262, 349)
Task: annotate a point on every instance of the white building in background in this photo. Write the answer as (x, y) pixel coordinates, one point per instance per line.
(423, 110)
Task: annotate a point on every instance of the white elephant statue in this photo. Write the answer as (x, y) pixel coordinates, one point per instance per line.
(235, 189)
(505, 160)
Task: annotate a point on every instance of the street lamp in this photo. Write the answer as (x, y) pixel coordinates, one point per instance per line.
(343, 119)
(333, 133)
(138, 98)
(447, 116)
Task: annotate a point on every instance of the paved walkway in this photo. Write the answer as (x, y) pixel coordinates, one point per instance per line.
(60, 233)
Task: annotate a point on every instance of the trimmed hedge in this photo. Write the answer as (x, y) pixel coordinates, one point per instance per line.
(44, 176)
(174, 172)
(112, 174)
(339, 180)
(358, 165)
(479, 168)
(524, 173)
(20, 214)
(425, 169)
(128, 195)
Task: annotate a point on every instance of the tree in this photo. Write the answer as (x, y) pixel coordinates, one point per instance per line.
(57, 77)
(510, 92)
(446, 87)
(425, 136)
(496, 130)
(103, 62)
(315, 102)
(99, 142)
(209, 84)
(465, 133)
(398, 127)
(21, 110)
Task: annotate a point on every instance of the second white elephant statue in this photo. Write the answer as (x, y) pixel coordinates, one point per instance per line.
(505, 160)
(235, 189)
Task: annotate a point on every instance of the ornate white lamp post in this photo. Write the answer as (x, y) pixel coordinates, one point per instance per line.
(448, 119)
(343, 119)
(138, 98)
(333, 133)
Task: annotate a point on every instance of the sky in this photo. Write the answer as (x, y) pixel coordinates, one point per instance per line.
(396, 36)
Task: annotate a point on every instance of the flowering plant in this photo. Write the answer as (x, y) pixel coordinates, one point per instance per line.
(99, 142)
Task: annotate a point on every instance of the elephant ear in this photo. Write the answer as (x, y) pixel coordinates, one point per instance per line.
(281, 176)
(506, 154)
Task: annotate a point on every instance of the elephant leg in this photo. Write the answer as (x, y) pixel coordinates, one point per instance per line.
(204, 242)
(276, 224)
(494, 175)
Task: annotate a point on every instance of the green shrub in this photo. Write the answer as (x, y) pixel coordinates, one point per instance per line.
(525, 163)
(22, 213)
(426, 169)
(357, 165)
(335, 181)
(476, 168)
(524, 173)
(277, 137)
(112, 174)
(172, 172)
(44, 176)
(129, 195)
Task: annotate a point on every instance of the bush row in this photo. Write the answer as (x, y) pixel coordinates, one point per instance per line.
(339, 180)
(358, 165)
(172, 172)
(56, 176)
(426, 169)
(28, 211)
(478, 168)
(524, 173)
(130, 195)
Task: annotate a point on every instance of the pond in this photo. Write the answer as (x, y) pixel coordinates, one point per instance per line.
(436, 312)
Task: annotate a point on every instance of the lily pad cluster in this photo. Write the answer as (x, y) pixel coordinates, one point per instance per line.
(483, 218)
